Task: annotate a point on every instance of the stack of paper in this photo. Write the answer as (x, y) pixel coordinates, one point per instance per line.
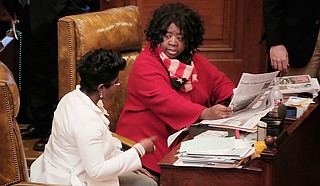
(211, 151)
(292, 85)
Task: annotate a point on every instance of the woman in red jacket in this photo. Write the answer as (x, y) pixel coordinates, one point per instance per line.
(170, 85)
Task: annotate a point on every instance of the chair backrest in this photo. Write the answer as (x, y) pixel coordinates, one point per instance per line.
(13, 167)
(116, 29)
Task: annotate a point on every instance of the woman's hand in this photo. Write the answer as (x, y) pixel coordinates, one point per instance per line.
(147, 173)
(148, 144)
(143, 171)
(216, 112)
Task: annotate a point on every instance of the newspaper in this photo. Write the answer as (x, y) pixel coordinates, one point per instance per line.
(252, 100)
(250, 89)
(246, 119)
(298, 84)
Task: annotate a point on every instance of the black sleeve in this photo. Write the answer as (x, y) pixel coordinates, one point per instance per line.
(273, 21)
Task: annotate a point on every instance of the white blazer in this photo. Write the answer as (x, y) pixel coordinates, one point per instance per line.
(81, 149)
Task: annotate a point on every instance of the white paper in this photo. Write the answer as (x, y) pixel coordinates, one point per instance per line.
(6, 40)
(213, 151)
(212, 134)
(297, 101)
(173, 136)
(214, 145)
(179, 162)
(249, 90)
(247, 119)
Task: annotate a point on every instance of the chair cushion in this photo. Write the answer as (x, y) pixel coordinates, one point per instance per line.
(116, 28)
(115, 105)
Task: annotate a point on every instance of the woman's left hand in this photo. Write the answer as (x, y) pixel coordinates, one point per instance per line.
(143, 171)
(147, 173)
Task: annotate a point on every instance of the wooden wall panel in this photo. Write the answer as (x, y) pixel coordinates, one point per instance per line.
(233, 31)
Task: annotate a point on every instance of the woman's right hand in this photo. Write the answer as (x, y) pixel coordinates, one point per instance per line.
(148, 144)
(279, 58)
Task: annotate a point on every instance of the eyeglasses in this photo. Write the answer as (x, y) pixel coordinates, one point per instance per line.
(117, 83)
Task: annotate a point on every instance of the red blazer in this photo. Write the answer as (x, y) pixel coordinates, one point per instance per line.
(154, 107)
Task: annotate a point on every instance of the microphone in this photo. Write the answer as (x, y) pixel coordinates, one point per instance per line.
(282, 111)
(274, 123)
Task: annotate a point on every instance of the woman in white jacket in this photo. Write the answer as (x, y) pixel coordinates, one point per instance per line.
(81, 149)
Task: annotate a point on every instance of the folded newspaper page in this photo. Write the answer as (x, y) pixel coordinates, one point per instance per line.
(298, 84)
(252, 100)
(249, 90)
(247, 119)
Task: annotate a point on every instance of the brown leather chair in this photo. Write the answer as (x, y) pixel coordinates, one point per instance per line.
(13, 169)
(116, 29)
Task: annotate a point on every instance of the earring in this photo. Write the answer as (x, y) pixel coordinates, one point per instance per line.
(101, 96)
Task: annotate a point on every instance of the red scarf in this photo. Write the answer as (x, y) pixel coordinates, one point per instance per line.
(182, 76)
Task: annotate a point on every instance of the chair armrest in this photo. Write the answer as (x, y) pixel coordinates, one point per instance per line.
(126, 143)
(34, 184)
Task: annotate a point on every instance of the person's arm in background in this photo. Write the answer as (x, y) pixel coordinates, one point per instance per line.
(273, 21)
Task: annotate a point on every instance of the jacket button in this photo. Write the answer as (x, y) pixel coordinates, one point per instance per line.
(317, 22)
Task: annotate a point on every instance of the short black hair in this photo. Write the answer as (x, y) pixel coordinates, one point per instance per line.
(187, 20)
(99, 66)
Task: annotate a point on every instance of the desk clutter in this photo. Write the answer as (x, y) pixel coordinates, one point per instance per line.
(289, 159)
(296, 106)
(298, 93)
(216, 147)
(222, 152)
(216, 143)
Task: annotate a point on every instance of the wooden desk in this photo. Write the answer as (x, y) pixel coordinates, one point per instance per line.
(292, 162)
